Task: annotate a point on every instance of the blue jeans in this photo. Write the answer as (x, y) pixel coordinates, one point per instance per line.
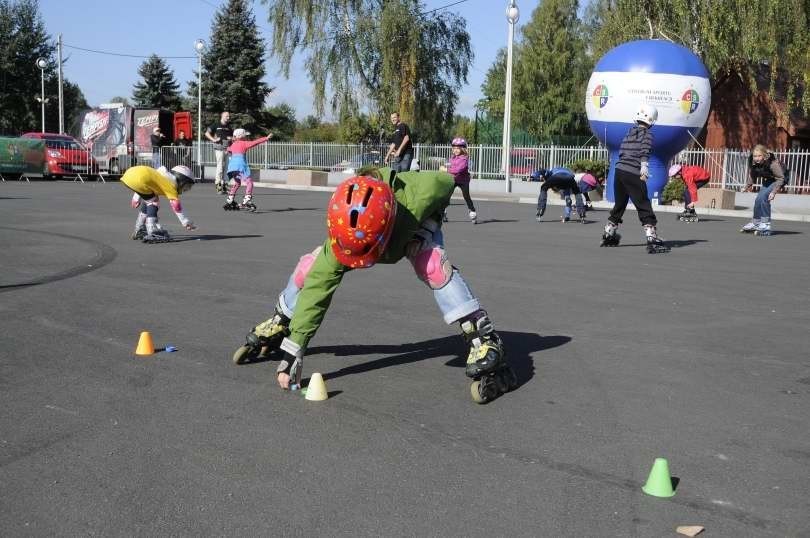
(687, 197)
(762, 206)
(156, 159)
(402, 163)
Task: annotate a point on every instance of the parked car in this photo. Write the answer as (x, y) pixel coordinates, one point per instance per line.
(523, 162)
(351, 165)
(316, 160)
(64, 155)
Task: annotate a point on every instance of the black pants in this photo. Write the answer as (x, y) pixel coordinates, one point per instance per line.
(465, 192)
(562, 184)
(628, 186)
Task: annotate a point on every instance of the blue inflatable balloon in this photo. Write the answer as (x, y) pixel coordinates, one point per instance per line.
(655, 72)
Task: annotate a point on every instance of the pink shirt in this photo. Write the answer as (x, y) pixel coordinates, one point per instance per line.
(241, 146)
(459, 167)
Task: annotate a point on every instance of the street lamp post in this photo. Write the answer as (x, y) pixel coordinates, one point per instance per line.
(199, 46)
(42, 64)
(512, 16)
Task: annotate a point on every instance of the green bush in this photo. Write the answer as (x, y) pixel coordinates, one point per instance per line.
(673, 192)
(597, 168)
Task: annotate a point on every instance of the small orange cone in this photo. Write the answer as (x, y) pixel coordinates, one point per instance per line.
(145, 345)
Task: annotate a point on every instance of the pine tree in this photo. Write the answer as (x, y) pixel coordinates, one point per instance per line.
(158, 89)
(233, 69)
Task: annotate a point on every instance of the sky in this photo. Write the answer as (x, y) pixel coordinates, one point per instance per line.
(170, 28)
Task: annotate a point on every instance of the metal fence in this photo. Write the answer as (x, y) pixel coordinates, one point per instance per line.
(728, 168)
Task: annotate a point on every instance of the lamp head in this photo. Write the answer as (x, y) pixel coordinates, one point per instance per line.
(512, 13)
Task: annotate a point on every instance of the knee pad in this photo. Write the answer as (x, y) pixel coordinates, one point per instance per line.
(433, 268)
(304, 265)
(235, 176)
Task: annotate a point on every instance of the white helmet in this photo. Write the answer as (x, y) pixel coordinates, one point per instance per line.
(183, 176)
(647, 113)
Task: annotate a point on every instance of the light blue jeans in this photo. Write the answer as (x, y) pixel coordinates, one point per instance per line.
(762, 206)
(455, 299)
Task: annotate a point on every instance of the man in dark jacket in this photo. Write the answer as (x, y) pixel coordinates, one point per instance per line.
(157, 139)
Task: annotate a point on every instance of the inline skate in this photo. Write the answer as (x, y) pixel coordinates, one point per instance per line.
(655, 245)
(139, 234)
(763, 229)
(263, 339)
(688, 215)
(247, 204)
(486, 361)
(610, 238)
(157, 236)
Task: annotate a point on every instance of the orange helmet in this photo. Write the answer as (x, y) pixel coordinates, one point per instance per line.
(359, 220)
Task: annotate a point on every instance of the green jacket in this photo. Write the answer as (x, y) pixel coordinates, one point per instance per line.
(419, 196)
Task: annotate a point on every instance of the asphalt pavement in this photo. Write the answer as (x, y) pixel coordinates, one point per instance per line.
(699, 356)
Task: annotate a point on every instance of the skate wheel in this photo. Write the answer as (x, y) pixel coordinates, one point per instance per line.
(475, 392)
(243, 355)
(484, 390)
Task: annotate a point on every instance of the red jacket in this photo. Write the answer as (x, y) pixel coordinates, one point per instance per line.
(691, 175)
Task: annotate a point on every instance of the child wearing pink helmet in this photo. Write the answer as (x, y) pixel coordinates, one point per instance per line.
(693, 177)
(459, 167)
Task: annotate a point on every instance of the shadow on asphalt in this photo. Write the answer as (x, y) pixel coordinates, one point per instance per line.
(487, 221)
(209, 237)
(288, 209)
(673, 243)
(519, 349)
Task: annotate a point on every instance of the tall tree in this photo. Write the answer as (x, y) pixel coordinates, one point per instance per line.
(24, 40)
(401, 59)
(282, 118)
(75, 105)
(233, 69)
(728, 35)
(494, 86)
(551, 72)
(158, 89)
(119, 99)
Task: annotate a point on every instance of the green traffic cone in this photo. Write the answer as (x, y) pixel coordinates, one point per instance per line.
(659, 483)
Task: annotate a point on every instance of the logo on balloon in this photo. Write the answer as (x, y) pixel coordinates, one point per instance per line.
(689, 101)
(600, 96)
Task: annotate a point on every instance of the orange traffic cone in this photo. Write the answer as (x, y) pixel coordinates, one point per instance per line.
(145, 345)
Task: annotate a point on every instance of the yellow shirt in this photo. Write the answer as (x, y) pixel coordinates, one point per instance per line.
(146, 180)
